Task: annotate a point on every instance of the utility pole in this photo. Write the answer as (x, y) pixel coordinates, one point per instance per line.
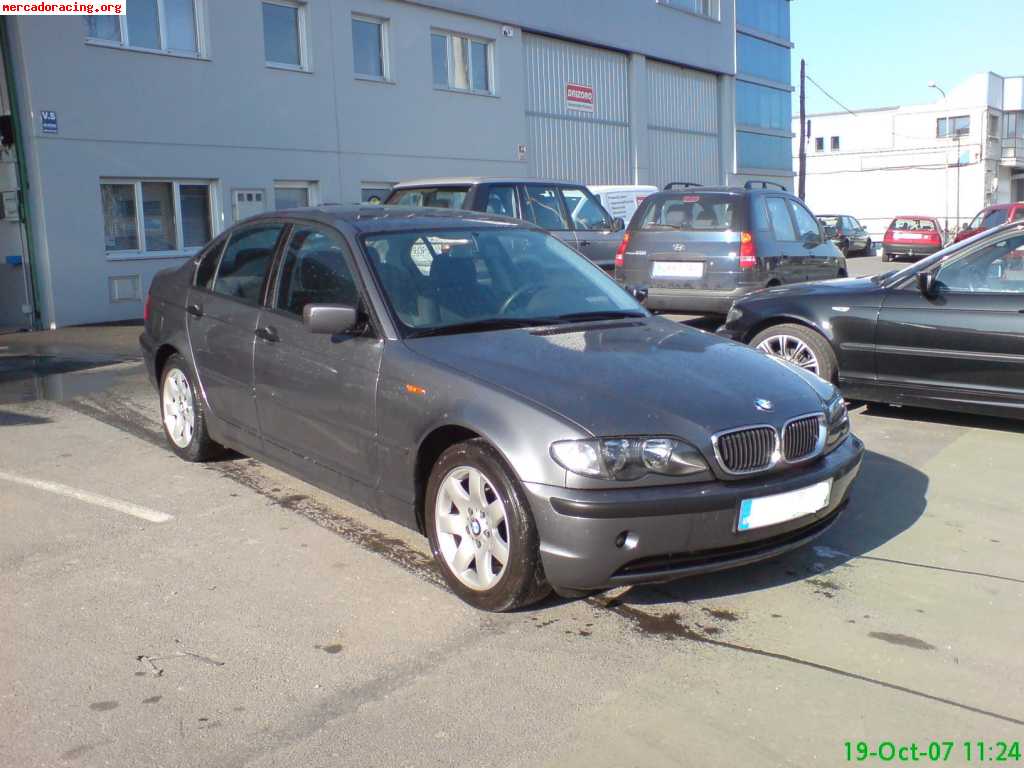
(802, 178)
(958, 181)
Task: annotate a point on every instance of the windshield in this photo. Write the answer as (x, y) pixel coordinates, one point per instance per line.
(429, 197)
(695, 212)
(829, 221)
(502, 277)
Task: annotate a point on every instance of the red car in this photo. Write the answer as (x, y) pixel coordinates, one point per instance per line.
(992, 216)
(911, 237)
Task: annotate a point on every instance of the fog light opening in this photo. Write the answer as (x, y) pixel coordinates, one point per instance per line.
(627, 540)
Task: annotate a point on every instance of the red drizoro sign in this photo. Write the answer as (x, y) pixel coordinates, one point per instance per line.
(579, 97)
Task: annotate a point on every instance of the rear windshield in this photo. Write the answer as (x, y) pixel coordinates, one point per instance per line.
(694, 213)
(429, 197)
(829, 221)
(916, 224)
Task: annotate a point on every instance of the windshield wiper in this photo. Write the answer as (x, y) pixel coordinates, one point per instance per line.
(485, 324)
(583, 316)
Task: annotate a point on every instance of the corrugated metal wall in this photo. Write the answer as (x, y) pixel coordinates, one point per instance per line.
(592, 148)
(683, 125)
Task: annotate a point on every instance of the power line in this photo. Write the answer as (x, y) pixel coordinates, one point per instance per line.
(833, 98)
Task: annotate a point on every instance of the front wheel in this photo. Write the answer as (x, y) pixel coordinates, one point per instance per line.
(182, 414)
(801, 346)
(868, 248)
(481, 531)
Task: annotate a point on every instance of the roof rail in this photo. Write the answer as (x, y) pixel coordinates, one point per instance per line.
(684, 184)
(763, 184)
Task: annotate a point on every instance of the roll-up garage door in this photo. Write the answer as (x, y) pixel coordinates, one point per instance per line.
(683, 125)
(577, 112)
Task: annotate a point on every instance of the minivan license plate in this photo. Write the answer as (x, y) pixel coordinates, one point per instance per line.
(782, 507)
(677, 269)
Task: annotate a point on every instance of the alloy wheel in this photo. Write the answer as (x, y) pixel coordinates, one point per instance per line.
(179, 408)
(791, 349)
(472, 528)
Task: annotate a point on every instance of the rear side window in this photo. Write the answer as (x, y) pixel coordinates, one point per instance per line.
(694, 213)
(430, 197)
(902, 223)
(245, 263)
(207, 268)
(994, 218)
(543, 206)
(782, 224)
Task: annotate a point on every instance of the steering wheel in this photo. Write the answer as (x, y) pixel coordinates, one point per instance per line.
(520, 293)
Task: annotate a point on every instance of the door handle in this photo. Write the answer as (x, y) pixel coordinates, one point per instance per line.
(584, 243)
(267, 333)
(195, 310)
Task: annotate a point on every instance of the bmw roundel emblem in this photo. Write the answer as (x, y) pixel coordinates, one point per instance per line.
(764, 405)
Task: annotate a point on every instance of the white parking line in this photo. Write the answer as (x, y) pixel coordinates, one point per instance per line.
(143, 513)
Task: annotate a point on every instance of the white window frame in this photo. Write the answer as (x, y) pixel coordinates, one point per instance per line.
(312, 190)
(201, 52)
(492, 88)
(385, 48)
(302, 20)
(710, 9)
(140, 224)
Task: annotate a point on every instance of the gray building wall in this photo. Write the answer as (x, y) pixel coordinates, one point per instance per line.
(228, 118)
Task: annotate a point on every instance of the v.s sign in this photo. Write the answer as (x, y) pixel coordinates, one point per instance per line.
(579, 97)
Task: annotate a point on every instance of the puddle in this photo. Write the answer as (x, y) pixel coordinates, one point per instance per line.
(24, 378)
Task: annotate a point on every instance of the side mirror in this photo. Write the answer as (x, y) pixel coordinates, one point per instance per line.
(638, 292)
(330, 319)
(926, 284)
(618, 224)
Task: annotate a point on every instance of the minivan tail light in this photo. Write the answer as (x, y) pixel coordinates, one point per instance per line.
(748, 252)
(621, 252)
(145, 309)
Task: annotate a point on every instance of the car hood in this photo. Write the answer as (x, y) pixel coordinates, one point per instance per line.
(633, 377)
(846, 286)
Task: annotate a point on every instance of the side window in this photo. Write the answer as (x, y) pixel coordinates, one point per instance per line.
(778, 214)
(207, 268)
(584, 210)
(994, 218)
(314, 271)
(806, 224)
(246, 260)
(543, 207)
(501, 199)
(997, 268)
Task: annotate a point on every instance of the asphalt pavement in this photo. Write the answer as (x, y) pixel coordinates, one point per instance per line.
(157, 613)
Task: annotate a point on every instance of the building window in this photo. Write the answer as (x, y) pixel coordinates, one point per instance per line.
(370, 47)
(952, 127)
(835, 143)
(707, 8)
(819, 144)
(762, 59)
(768, 16)
(170, 26)
(284, 35)
(155, 217)
(294, 194)
(757, 151)
(1013, 125)
(763, 107)
(461, 63)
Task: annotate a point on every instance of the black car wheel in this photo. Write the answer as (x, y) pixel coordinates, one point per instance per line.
(182, 414)
(481, 531)
(868, 248)
(799, 345)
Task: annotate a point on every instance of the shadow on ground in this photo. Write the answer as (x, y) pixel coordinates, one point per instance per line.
(887, 498)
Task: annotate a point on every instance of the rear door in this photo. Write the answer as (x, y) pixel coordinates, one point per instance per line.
(222, 319)
(792, 255)
(593, 226)
(542, 205)
(689, 241)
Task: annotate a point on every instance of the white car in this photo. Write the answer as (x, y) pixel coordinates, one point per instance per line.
(622, 200)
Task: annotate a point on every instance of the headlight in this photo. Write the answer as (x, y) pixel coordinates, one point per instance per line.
(735, 313)
(628, 458)
(838, 422)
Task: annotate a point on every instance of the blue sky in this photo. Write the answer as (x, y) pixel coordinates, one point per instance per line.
(876, 53)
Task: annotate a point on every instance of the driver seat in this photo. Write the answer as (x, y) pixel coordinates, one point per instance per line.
(460, 295)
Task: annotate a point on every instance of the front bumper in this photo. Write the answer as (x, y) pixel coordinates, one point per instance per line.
(676, 530)
(696, 299)
(909, 251)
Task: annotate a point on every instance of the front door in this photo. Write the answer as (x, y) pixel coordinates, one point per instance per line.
(223, 308)
(968, 340)
(594, 236)
(316, 394)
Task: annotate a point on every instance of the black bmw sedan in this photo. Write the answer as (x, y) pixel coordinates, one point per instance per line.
(946, 332)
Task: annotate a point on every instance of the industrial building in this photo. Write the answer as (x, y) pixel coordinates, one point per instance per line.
(135, 139)
(948, 158)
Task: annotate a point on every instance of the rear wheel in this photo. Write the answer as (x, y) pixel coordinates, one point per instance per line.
(799, 345)
(481, 531)
(868, 248)
(182, 414)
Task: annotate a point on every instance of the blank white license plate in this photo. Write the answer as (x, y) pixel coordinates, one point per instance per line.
(911, 236)
(771, 510)
(677, 269)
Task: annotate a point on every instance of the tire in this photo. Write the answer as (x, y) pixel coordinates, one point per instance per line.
(867, 248)
(886, 256)
(800, 345)
(182, 413)
(465, 539)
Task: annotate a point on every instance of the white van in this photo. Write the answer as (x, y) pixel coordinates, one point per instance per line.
(622, 200)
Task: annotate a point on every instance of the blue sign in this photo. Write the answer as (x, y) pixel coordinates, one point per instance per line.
(49, 121)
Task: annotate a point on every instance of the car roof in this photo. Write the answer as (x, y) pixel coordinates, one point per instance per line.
(448, 181)
(915, 216)
(391, 218)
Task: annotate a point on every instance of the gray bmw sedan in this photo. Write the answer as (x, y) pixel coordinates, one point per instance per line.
(472, 377)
